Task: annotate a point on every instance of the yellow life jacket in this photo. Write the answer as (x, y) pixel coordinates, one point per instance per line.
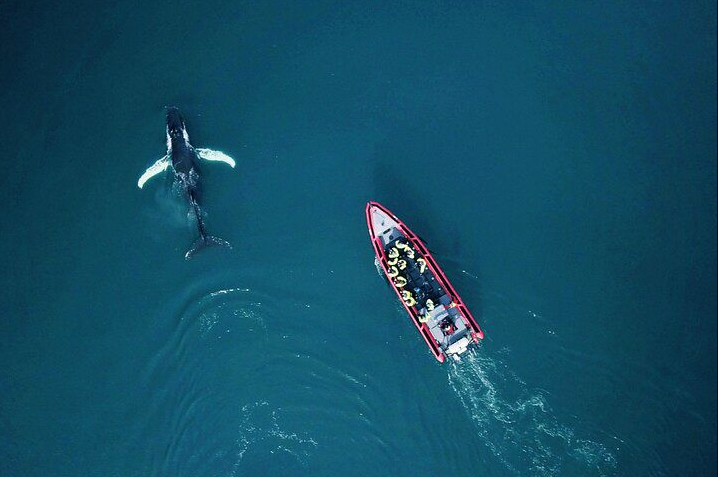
(400, 282)
(408, 299)
(402, 264)
(392, 272)
(422, 264)
(393, 252)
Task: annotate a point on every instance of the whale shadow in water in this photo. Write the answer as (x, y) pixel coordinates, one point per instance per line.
(395, 190)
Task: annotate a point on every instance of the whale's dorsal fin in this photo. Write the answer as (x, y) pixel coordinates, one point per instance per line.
(160, 166)
(210, 155)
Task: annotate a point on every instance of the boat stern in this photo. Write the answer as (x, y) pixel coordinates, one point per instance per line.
(458, 348)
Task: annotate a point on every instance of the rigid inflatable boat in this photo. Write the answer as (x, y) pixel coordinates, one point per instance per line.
(437, 311)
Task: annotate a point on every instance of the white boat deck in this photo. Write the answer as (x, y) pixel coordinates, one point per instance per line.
(385, 227)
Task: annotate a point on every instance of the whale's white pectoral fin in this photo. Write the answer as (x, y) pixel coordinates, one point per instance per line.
(160, 166)
(210, 155)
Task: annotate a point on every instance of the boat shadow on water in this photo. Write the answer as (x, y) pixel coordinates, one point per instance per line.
(442, 238)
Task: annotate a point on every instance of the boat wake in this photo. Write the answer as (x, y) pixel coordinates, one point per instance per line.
(517, 424)
(379, 270)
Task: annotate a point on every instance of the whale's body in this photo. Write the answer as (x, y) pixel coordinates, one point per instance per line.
(181, 153)
(182, 157)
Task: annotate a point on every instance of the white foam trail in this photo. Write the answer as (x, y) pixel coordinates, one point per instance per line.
(379, 270)
(525, 422)
(260, 427)
(160, 166)
(211, 155)
(228, 291)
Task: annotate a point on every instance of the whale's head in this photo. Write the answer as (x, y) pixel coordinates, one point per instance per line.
(175, 126)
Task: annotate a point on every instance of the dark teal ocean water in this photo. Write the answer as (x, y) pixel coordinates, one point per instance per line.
(558, 157)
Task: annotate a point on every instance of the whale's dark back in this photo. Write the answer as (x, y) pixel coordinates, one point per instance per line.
(183, 154)
(183, 157)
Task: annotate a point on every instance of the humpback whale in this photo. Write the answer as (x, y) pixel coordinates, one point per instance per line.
(181, 157)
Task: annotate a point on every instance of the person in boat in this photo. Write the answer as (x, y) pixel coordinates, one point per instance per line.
(406, 248)
(447, 327)
(408, 298)
(400, 281)
(422, 264)
(392, 256)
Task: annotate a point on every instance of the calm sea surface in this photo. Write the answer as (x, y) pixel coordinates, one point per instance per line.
(559, 159)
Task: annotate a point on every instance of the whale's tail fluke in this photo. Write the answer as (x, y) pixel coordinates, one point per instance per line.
(203, 242)
(204, 239)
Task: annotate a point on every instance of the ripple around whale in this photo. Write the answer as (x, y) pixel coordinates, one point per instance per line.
(238, 387)
(242, 381)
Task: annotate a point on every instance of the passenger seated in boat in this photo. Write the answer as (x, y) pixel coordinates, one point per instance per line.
(422, 264)
(404, 248)
(447, 327)
(408, 298)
